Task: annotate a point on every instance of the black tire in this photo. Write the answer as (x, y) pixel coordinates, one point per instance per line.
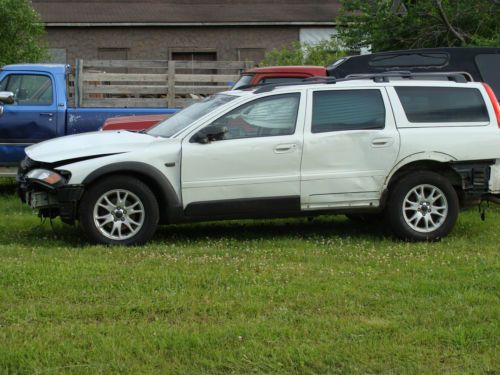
(404, 218)
(138, 191)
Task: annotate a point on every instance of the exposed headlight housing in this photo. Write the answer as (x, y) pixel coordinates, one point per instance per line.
(46, 177)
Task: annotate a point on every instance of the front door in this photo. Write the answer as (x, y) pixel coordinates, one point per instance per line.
(350, 145)
(254, 169)
(31, 119)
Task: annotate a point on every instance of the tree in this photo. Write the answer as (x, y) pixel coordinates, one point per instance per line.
(21, 33)
(298, 53)
(403, 24)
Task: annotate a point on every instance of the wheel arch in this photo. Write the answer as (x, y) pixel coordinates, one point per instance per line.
(151, 176)
(425, 161)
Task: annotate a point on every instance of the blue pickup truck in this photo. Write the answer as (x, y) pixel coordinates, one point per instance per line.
(38, 110)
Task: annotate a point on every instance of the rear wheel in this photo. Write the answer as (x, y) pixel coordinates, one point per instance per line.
(119, 210)
(422, 206)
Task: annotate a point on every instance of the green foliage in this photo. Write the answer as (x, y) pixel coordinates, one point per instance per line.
(241, 297)
(298, 53)
(403, 24)
(21, 32)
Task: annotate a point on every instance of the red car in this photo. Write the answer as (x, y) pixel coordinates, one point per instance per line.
(252, 77)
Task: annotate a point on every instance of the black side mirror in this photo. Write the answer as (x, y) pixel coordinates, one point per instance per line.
(6, 97)
(210, 134)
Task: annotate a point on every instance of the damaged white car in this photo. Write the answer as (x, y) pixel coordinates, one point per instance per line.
(412, 150)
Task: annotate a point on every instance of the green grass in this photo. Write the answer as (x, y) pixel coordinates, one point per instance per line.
(285, 296)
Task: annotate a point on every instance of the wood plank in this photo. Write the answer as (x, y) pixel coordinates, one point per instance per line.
(139, 64)
(235, 65)
(126, 102)
(171, 83)
(124, 77)
(125, 89)
(206, 78)
(79, 83)
(204, 90)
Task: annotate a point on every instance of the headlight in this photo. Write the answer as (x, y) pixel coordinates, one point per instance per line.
(46, 176)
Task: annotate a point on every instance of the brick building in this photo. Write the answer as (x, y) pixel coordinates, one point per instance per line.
(181, 29)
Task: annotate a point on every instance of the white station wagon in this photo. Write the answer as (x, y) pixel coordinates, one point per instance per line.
(411, 148)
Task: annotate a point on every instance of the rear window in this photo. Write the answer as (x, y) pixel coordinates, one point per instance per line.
(271, 80)
(442, 104)
(347, 110)
(408, 60)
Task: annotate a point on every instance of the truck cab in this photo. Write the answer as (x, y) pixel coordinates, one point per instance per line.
(36, 108)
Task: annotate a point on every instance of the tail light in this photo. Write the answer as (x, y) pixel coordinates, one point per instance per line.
(494, 101)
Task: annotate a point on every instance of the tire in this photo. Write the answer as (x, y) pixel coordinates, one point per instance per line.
(422, 206)
(119, 210)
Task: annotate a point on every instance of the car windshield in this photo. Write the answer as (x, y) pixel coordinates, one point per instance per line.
(187, 116)
(244, 81)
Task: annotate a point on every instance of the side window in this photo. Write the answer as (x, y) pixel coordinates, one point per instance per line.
(442, 104)
(339, 110)
(269, 116)
(3, 84)
(29, 89)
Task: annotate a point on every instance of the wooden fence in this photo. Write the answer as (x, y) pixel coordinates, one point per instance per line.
(127, 83)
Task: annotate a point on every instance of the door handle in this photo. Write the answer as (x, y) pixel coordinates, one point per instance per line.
(382, 142)
(47, 114)
(282, 149)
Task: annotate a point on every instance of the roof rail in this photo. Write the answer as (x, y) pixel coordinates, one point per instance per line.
(459, 77)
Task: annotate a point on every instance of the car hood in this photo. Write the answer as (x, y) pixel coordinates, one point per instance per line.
(88, 145)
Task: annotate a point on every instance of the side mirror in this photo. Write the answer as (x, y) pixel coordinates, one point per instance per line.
(6, 97)
(210, 134)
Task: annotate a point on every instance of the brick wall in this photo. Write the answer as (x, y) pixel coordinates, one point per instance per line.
(157, 43)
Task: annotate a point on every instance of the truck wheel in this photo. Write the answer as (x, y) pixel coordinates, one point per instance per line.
(423, 206)
(119, 210)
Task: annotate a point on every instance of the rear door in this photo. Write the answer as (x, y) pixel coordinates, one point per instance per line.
(31, 119)
(350, 145)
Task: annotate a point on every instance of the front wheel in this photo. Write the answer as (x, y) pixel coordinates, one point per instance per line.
(423, 206)
(119, 210)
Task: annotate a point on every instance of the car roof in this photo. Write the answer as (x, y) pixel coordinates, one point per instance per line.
(312, 69)
(46, 68)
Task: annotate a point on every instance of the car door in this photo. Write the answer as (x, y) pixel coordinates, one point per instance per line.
(31, 118)
(350, 145)
(255, 168)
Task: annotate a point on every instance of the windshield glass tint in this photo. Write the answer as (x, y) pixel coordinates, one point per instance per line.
(244, 81)
(188, 115)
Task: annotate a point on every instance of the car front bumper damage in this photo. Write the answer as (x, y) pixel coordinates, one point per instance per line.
(50, 201)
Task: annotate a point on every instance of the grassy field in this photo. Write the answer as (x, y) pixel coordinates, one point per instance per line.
(287, 296)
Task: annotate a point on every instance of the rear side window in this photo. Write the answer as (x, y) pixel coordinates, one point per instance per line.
(488, 66)
(409, 60)
(443, 104)
(347, 110)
